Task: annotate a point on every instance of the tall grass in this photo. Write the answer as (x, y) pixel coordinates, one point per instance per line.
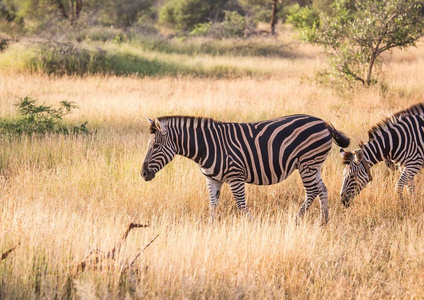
(63, 195)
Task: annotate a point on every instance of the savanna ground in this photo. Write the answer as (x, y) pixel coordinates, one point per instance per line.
(63, 195)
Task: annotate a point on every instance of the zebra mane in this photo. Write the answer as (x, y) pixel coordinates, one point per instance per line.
(417, 109)
(347, 157)
(202, 122)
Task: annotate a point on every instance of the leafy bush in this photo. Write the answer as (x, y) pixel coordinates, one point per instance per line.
(68, 59)
(355, 35)
(183, 14)
(303, 17)
(101, 33)
(41, 119)
(233, 25)
(201, 29)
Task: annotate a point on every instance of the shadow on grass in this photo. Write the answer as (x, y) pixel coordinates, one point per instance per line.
(67, 59)
(258, 47)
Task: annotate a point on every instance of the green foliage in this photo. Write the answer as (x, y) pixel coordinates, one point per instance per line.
(185, 14)
(40, 119)
(124, 14)
(120, 38)
(233, 25)
(201, 29)
(303, 17)
(355, 34)
(7, 11)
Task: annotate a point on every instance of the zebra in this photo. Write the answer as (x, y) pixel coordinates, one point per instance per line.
(398, 141)
(261, 153)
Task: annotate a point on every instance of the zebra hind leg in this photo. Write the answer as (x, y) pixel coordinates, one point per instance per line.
(214, 188)
(237, 188)
(406, 178)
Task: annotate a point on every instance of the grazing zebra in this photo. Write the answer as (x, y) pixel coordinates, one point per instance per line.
(261, 153)
(398, 141)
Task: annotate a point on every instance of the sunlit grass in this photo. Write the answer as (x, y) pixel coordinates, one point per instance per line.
(62, 196)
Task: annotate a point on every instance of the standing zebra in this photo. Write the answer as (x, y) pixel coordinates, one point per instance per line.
(261, 153)
(397, 140)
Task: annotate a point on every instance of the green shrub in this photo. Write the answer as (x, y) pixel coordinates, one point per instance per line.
(183, 14)
(303, 17)
(233, 25)
(40, 119)
(101, 33)
(201, 29)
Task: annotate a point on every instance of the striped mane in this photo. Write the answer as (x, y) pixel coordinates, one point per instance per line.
(347, 157)
(417, 109)
(203, 122)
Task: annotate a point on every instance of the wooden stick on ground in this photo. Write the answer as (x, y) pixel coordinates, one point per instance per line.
(6, 254)
(132, 263)
(101, 255)
(117, 248)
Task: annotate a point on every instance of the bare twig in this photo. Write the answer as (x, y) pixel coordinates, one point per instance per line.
(89, 260)
(132, 263)
(6, 254)
(117, 248)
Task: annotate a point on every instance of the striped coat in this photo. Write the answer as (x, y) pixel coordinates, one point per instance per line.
(397, 140)
(261, 153)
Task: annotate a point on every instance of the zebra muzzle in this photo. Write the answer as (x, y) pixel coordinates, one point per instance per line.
(345, 201)
(147, 174)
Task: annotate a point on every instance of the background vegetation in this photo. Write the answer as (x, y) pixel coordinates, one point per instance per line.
(106, 37)
(64, 194)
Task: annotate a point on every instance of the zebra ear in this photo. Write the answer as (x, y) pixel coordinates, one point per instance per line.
(359, 155)
(159, 126)
(342, 152)
(150, 121)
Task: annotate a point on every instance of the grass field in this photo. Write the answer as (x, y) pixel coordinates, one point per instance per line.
(62, 196)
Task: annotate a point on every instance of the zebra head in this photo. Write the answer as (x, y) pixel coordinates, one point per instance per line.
(160, 150)
(356, 175)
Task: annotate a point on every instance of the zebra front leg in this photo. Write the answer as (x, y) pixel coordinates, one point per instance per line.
(214, 188)
(411, 187)
(313, 189)
(237, 188)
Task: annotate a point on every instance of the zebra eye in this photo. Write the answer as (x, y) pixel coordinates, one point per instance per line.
(155, 146)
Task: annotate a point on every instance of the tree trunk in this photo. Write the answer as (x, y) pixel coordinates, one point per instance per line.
(370, 67)
(274, 15)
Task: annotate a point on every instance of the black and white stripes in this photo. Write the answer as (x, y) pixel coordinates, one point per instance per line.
(397, 140)
(261, 153)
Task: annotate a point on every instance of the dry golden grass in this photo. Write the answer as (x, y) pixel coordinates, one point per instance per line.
(62, 196)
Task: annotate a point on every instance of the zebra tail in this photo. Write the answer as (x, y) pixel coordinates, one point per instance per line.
(339, 138)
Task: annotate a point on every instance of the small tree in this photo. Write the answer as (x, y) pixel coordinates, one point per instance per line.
(356, 33)
(70, 9)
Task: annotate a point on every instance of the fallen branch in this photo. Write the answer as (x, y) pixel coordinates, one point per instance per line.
(117, 248)
(6, 254)
(89, 261)
(132, 263)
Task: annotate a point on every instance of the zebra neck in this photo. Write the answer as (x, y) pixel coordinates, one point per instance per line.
(189, 136)
(373, 152)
